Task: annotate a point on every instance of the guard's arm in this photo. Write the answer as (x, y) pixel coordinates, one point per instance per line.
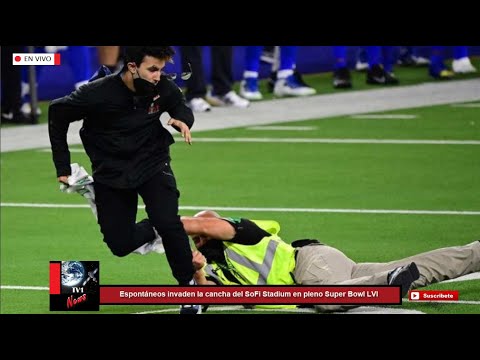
(213, 228)
(240, 231)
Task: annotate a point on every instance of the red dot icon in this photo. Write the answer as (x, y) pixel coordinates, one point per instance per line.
(17, 58)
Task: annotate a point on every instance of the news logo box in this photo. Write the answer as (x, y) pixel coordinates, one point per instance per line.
(36, 59)
(74, 285)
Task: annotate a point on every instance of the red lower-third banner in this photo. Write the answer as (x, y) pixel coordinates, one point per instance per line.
(228, 295)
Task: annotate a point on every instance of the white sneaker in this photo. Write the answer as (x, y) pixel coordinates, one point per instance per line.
(156, 245)
(420, 60)
(361, 66)
(230, 99)
(213, 100)
(291, 87)
(199, 105)
(249, 89)
(26, 109)
(463, 66)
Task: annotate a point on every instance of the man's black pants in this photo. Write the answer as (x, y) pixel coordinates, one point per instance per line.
(221, 65)
(117, 212)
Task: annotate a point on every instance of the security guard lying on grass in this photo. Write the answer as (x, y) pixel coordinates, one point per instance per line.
(238, 251)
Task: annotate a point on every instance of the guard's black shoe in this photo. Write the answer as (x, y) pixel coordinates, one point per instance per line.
(404, 276)
(342, 79)
(190, 309)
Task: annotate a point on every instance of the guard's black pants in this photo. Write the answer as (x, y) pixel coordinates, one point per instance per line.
(117, 211)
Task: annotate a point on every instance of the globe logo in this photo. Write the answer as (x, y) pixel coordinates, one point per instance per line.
(73, 273)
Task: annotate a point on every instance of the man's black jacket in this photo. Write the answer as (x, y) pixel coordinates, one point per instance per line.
(121, 133)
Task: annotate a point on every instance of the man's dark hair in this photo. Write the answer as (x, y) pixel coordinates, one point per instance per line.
(137, 53)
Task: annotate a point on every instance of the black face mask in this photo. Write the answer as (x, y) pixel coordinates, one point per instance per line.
(144, 87)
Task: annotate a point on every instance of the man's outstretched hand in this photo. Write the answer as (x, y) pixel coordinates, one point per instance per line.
(183, 128)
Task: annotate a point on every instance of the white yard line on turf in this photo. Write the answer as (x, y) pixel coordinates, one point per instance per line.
(258, 209)
(13, 287)
(340, 141)
(282, 128)
(319, 141)
(384, 116)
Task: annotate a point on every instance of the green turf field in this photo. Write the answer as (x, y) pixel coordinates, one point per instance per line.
(281, 178)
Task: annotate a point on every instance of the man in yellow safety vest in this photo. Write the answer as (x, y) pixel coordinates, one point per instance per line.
(238, 251)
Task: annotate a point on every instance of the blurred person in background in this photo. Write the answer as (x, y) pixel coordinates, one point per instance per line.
(11, 88)
(286, 81)
(79, 59)
(380, 61)
(222, 93)
(109, 56)
(409, 56)
(461, 63)
(341, 73)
